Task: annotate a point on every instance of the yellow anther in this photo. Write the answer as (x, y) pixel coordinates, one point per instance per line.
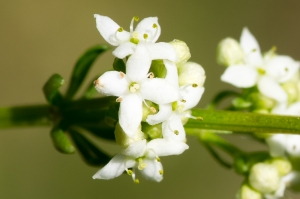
(134, 40)
(96, 82)
(184, 101)
(136, 18)
(152, 109)
(261, 71)
(119, 99)
(136, 181)
(151, 75)
(176, 132)
(129, 172)
(154, 25)
(142, 165)
(134, 87)
(120, 29)
(157, 159)
(194, 85)
(161, 172)
(174, 106)
(145, 36)
(274, 48)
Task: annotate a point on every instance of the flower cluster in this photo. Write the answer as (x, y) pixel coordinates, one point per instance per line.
(270, 84)
(156, 89)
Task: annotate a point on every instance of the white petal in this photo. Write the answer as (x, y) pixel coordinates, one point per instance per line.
(136, 149)
(165, 111)
(112, 83)
(138, 64)
(293, 145)
(124, 50)
(113, 169)
(146, 27)
(241, 76)
(270, 88)
(280, 109)
(251, 48)
(191, 95)
(159, 91)
(162, 50)
(130, 114)
(276, 145)
(172, 73)
(172, 126)
(282, 68)
(108, 29)
(294, 109)
(152, 170)
(166, 147)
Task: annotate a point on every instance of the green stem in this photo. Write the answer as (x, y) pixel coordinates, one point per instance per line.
(243, 122)
(21, 116)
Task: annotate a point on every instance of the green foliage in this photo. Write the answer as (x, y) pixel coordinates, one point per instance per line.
(51, 90)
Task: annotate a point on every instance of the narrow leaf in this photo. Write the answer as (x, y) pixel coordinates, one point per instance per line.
(61, 141)
(119, 65)
(90, 153)
(82, 67)
(51, 89)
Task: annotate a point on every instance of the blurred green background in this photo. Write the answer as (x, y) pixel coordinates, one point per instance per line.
(39, 38)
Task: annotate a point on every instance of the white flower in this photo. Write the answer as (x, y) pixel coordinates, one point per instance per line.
(142, 156)
(134, 87)
(281, 145)
(145, 33)
(268, 73)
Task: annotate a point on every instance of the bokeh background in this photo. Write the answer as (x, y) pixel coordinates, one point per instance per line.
(39, 38)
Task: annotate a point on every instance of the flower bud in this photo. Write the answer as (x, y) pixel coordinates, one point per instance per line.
(153, 131)
(191, 73)
(229, 52)
(124, 140)
(264, 177)
(259, 101)
(182, 51)
(246, 192)
(292, 91)
(283, 166)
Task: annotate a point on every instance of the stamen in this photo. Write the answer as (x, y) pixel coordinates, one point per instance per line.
(134, 37)
(116, 33)
(154, 25)
(119, 99)
(286, 69)
(157, 159)
(183, 101)
(152, 109)
(176, 132)
(161, 172)
(261, 71)
(174, 106)
(254, 50)
(129, 172)
(150, 75)
(135, 18)
(120, 29)
(122, 74)
(134, 87)
(142, 164)
(194, 85)
(145, 36)
(136, 181)
(193, 117)
(96, 82)
(156, 31)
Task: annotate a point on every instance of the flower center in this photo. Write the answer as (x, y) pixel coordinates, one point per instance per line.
(261, 71)
(142, 164)
(134, 87)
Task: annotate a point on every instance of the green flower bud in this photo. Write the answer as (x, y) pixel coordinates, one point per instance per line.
(229, 52)
(264, 177)
(149, 109)
(261, 102)
(124, 140)
(182, 51)
(191, 73)
(283, 166)
(246, 192)
(153, 131)
(292, 91)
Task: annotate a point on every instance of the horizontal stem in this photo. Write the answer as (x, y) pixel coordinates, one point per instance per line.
(243, 122)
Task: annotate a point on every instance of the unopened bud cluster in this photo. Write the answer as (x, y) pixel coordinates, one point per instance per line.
(155, 90)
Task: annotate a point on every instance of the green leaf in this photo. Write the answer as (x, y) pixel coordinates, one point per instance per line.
(82, 67)
(119, 65)
(61, 141)
(51, 89)
(91, 154)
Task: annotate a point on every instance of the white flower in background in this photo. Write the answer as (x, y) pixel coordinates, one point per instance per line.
(141, 156)
(146, 33)
(266, 72)
(134, 87)
(281, 145)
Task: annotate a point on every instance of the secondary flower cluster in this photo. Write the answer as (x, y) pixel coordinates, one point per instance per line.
(270, 84)
(156, 89)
